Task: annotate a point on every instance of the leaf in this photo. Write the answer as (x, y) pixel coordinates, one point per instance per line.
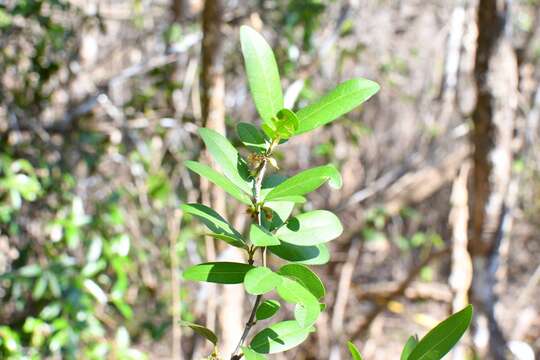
(311, 228)
(267, 309)
(218, 272)
(202, 331)
(279, 337)
(229, 240)
(304, 276)
(408, 348)
(249, 354)
(281, 210)
(261, 237)
(295, 293)
(262, 73)
(261, 280)
(342, 99)
(227, 158)
(354, 351)
(308, 255)
(219, 180)
(305, 182)
(283, 125)
(251, 137)
(442, 337)
(213, 221)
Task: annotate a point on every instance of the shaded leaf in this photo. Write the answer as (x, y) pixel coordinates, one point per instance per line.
(262, 73)
(308, 255)
(261, 280)
(251, 137)
(311, 228)
(202, 331)
(234, 241)
(342, 99)
(218, 272)
(267, 309)
(408, 348)
(279, 337)
(219, 180)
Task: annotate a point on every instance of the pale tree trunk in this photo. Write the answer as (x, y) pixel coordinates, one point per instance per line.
(493, 118)
(213, 112)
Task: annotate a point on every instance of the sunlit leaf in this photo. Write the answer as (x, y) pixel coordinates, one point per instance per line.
(304, 276)
(345, 97)
(250, 354)
(261, 280)
(311, 228)
(218, 272)
(261, 237)
(267, 309)
(354, 351)
(202, 331)
(279, 337)
(295, 293)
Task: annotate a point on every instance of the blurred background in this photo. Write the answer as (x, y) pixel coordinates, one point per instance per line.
(99, 105)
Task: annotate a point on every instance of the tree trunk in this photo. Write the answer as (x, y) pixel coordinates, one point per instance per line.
(493, 118)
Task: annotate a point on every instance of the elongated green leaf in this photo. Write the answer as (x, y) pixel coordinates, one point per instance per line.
(218, 272)
(345, 97)
(261, 280)
(354, 351)
(262, 73)
(227, 158)
(308, 255)
(251, 137)
(267, 309)
(219, 180)
(442, 337)
(214, 222)
(279, 337)
(250, 354)
(283, 125)
(202, 331)
(295, 293)
(229, 240)
(305, 182)
(304, 276)
(281, 210)
(261, 237)
(408, 348)
(311, 228)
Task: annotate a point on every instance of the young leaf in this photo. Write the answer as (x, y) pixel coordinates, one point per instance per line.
(219, 180)
(281, 210)
(308, 255)
(408, 348)
(262, 73)
(261, 237)
(311, 228)
(213, 221)
(234, 241)
(261, 280)
(442, 337)
(305, 182)
(249, 354)
(251, 137)
(218, 272)
(345, 97)
(293, 292)
(354, 351)
(226, 156)
(201, 330)
(267, 309)
(279, 337)
(304, 276)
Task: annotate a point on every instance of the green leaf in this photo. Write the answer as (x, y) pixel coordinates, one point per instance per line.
(283, 125)
(354, 351)
(305, 182)
(251, 137)
(442, 337)
(311, 228)
(408, 348)
(267, 309)
(219, 180)
(262, 73)
(216, 224)
(227, 158)
(279, 337)
(249, 354)
(202, 331)
(304, 276)
(261, 237)
(345, 97)
(295, 293)
(261, 280)
(281, 210)
(218, 272)
(229, 240)
(308, 255)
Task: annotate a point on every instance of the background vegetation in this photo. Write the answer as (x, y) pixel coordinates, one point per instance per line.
(100, 102)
